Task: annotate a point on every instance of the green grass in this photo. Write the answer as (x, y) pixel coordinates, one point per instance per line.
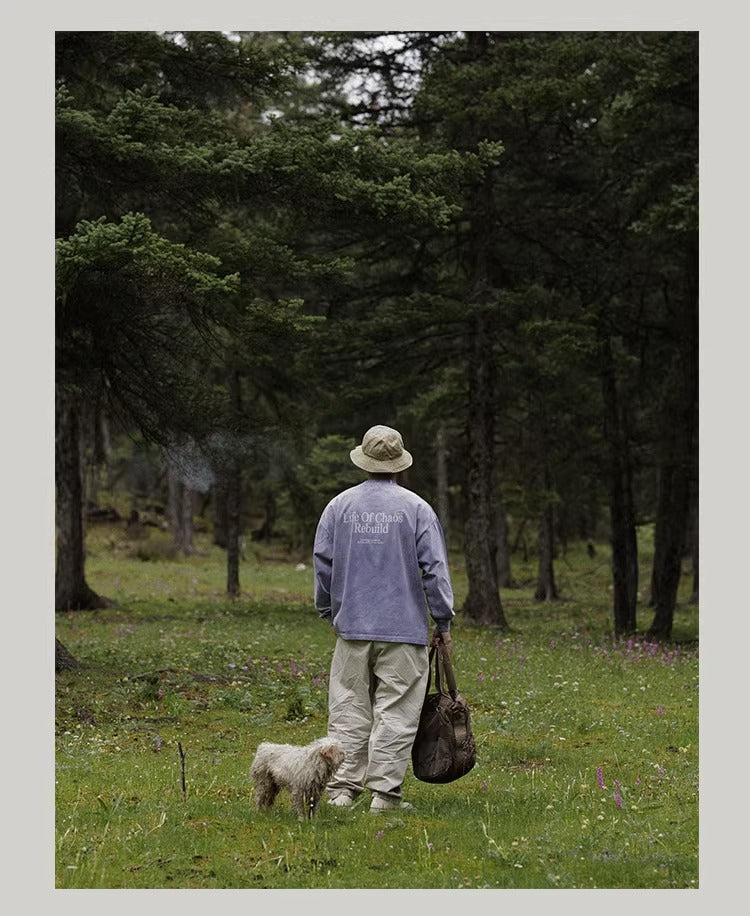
(551, 700)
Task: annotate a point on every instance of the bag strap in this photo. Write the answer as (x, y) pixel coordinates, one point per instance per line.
(429, 669)
(441, 658)
(433, 662)
(447, 671)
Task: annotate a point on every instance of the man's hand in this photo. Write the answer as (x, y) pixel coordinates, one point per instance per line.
(444, 638)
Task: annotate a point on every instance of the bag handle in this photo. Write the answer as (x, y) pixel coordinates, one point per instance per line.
(441, 658)
(448, 670)
(429, 671)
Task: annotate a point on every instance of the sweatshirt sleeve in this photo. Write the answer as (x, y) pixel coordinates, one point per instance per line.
(433, 561)
(322, 566)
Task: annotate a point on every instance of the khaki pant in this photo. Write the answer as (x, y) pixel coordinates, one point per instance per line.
(375, 696)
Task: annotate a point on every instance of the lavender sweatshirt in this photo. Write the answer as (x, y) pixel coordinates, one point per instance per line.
(380, 564)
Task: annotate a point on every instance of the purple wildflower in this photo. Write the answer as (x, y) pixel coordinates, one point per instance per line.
(659, 710)
(600, 777)
(483, 786)
(618, 800)
(379, 835)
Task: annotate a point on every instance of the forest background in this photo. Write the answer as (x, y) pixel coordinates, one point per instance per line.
(268, 242)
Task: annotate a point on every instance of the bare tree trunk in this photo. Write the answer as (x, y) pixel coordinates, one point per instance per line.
(676, 457)
(561, 529)
(504, 577)
(546, 590)
(234, 498)
(441, 473)
(100, 452)
(622, 515)
(72, 592)
(519, 538)
(234, 530)
(174, 506)
(669, 538)
(180, 511)
(92, 486)
(265, 533)
(220, 510)
(482, 603)
(188, 506)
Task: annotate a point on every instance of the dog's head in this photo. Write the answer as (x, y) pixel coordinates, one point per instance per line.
(333, 754)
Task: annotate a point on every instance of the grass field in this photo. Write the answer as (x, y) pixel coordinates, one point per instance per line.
(587, 771)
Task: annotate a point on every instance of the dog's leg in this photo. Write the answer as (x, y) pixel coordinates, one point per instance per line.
(313, 799)
(301, 803)
(266, 789)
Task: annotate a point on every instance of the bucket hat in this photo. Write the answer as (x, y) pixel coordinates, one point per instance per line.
(381, 452)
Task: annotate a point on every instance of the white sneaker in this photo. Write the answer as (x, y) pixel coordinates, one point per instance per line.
(342, 800)
(380, 803)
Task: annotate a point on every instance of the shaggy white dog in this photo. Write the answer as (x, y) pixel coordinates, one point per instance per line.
(303, 770)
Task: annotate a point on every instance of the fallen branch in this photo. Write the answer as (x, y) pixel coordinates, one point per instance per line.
(182, 770)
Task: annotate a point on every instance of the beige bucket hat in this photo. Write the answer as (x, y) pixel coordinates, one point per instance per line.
(382, 451)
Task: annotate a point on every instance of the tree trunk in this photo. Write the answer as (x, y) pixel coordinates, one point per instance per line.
(546, 590)
(269, 518)
(174, 506)
(234, 530)
(71, 589)
(504, 577)
(519, 538)
(562, 529)
(234, 497)
(64, 661)
(180, 510)
(441, 473)
(621, 509)
(669, 539)
(482, 603)
(677, 450)
(220, 510)
(188, 507)
(100, 452)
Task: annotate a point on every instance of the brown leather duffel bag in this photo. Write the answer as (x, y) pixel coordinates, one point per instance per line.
(444, 747)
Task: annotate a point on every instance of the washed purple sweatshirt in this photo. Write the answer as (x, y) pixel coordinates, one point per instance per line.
(380, 564)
